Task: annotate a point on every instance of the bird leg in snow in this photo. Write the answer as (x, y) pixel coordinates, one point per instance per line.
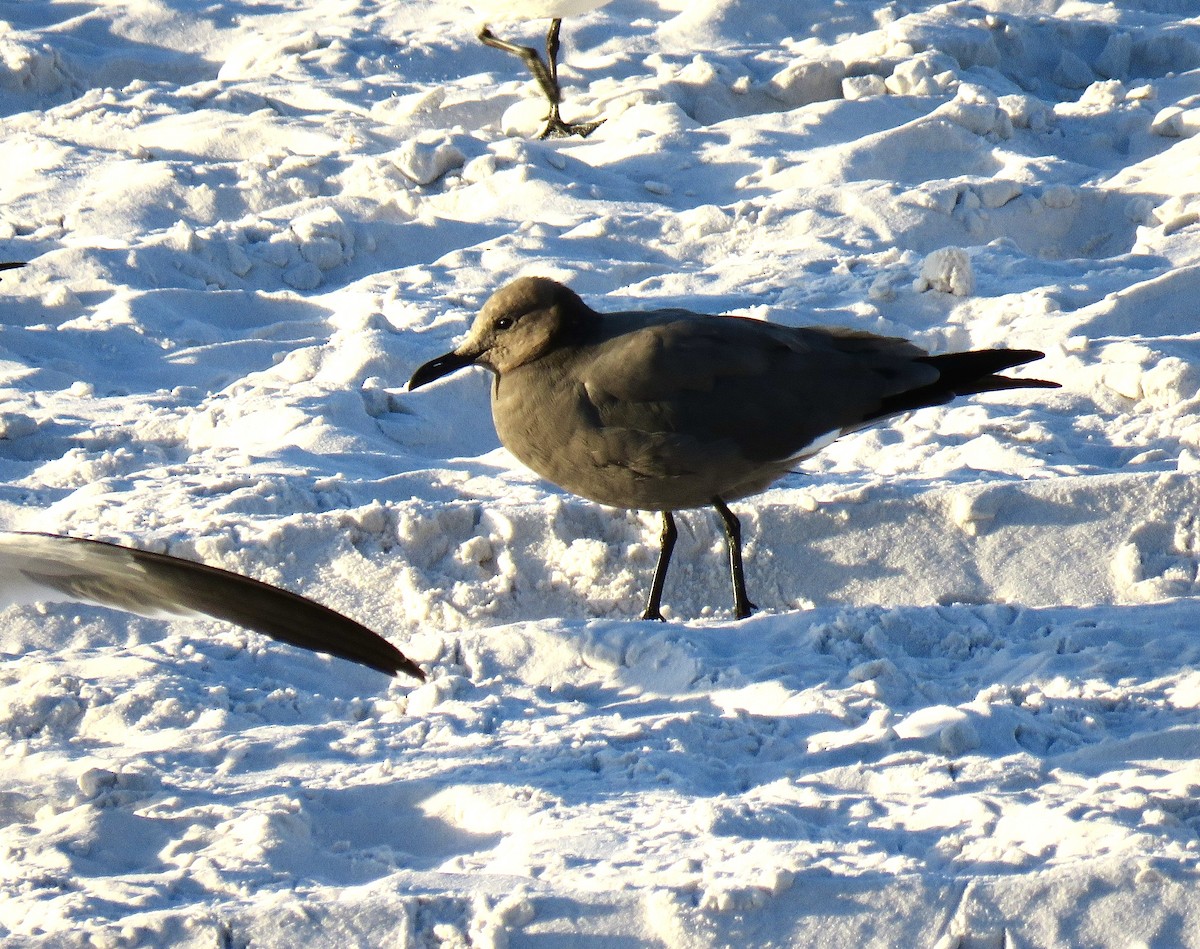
(552, 47)
(546, 77)
(742, 607)
(666, 545)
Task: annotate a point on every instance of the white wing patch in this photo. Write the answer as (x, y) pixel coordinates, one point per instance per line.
(818, 443)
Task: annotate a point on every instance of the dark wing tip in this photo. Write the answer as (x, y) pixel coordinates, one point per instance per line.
(280, 614)
(961, 374)
(1036, 384)
(151, 584)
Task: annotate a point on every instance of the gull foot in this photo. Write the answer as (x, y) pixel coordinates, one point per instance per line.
(557, 128)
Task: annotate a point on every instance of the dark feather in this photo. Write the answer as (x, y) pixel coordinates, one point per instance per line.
(36, 566)
(964, 374)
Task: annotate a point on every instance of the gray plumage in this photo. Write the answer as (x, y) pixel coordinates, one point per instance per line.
(50, 567)
(669, 409)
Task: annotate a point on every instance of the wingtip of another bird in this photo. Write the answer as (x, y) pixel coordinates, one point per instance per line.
(409, 668)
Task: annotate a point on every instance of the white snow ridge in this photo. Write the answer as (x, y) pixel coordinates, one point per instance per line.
(968, 712)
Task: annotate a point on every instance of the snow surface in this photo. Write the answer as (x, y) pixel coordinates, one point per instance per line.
(969, 712)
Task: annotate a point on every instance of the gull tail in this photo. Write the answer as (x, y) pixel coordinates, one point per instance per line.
(966, 374)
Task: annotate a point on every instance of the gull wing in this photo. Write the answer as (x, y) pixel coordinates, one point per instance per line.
(51, 567)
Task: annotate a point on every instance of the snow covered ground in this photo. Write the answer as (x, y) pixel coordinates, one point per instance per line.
(969, 712)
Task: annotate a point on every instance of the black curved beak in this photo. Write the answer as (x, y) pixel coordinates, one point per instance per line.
(436, 368)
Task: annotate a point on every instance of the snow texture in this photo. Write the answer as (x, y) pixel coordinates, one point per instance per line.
(969, 712)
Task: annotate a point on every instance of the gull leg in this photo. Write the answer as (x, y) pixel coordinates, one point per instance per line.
(555, 126)
(546, 77)
(552, 46)
(666, 545)
(742, 607)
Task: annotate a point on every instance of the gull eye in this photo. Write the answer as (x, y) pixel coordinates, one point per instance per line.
(505, 322)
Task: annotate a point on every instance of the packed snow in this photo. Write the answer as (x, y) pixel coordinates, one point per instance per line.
(968, 713)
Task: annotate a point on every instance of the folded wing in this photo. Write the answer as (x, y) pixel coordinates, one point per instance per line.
(770, 390)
